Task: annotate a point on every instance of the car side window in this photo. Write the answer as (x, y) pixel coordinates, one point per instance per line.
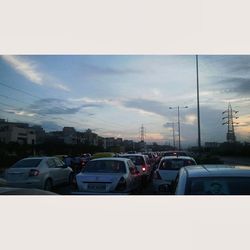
(58, 162)
(51, 163)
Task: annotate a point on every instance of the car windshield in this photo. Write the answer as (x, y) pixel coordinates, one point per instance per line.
(29, 163)
(137, 160)
(219, 186)
(105, 166)
(175, 164)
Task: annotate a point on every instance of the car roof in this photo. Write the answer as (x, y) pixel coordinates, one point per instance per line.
(111, 158)
(182, 157)
(219, 170)
(39, 157)
(133, 155)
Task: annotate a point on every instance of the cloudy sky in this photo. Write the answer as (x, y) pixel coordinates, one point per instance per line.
(115, 95)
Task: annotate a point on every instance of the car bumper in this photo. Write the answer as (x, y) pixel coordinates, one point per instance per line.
(25, 184)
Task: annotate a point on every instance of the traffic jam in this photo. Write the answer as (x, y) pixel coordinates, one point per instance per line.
(131, 173)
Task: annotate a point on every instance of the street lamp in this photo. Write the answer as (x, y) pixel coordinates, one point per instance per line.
(179, 128)
(172, 124)
(198, 104)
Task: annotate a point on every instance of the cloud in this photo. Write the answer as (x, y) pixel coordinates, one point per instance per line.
(150, 106)
(25, 68)
(237, 84)
(94, 69)
(19, 112)
(30, 71)
(56, 106)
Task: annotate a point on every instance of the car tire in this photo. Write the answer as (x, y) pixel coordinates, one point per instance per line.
(48, 185)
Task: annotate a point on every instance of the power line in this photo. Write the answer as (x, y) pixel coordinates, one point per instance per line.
(8, 97)
(20, 90)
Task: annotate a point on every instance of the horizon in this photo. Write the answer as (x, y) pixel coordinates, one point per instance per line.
(113, 95)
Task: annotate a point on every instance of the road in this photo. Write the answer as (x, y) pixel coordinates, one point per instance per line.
(236, 160)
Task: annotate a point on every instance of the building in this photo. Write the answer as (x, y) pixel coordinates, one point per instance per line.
(17, 132)
(212, 144)
(69, 135)
(90, 138)
(40, 134)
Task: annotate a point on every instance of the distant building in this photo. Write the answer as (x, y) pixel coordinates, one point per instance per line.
(16, 132)
(212, 144)
(109, 142)
(40, 134)
(90, 138)
(69, 135)
(55, 136)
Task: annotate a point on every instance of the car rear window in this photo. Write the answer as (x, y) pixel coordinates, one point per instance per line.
(137, 160)
(105, 166)
(219, 186)
(175, 164)
(29, 163)
(175, 153)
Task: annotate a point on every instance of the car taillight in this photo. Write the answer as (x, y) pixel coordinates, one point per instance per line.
(157, 175)
(143, 168)
(121, 186)
(34, 172)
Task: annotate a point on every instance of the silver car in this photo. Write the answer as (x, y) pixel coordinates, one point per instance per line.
(108, 175)
(168, 169)
(38, 172)
(212, 180)
(142, 164)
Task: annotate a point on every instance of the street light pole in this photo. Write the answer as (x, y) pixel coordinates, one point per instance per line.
(172, 123)
(179, 127)
(198, 105)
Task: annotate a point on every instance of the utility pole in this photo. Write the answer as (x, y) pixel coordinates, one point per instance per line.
(198, 104)
(173, 129)
(179, 126)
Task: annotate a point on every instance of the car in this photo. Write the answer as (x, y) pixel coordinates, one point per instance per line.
(38, 172)
(23, 191)
(168, 169)
(108, 175)
(142, 164)
(175, 153)
(102, 155)
(212, 179)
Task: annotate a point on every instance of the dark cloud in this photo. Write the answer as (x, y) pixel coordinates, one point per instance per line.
(238, 85)
(232, 64)
(55, 106)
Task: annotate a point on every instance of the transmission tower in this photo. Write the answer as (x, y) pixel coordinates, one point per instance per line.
(228, 119)
(142, 133)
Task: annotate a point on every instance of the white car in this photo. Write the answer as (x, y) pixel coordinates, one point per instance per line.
(168, 169)
(38, 172)
(212, 179)
(108, 175)
(142, 164)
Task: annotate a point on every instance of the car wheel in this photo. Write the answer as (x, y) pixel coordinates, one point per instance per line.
(48, 185)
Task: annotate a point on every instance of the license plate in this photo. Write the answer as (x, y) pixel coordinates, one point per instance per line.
(97, 187)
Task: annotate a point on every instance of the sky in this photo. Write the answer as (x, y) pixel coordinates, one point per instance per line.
(114, 95)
